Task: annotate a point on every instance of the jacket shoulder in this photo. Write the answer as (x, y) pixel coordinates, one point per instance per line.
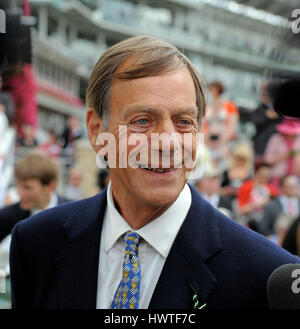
(249, 248)
(53, 218)
(9, 210)
(9, 217)
(46, 230)
(244, 265)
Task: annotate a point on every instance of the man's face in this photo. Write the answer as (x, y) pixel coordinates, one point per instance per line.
(33, 194)
(75, 178)
(209, 185)
(160, 104)
(214, 91)
(263, 175)
(290, 187)
(296, 165)
(213, 185)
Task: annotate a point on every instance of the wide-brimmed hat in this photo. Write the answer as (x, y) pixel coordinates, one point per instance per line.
(289, 126)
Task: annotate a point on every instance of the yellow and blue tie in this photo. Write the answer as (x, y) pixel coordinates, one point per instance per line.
(127, 294)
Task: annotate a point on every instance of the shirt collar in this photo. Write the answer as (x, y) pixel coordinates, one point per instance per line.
(160, 233)
(284, 199)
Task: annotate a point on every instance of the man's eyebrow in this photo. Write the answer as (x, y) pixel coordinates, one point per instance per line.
(140, 108)
(192, 110)
(189, 110)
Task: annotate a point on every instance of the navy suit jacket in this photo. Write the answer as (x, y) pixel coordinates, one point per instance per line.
(55, 254)
(12, 214)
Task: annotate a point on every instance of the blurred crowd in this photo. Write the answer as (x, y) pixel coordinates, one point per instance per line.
(44, 171)
(254, 180)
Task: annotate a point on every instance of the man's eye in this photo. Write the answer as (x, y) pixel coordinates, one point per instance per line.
(185, 122)
(142, 122)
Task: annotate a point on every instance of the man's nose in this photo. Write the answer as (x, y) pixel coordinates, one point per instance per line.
(167, 140)
(166, 126)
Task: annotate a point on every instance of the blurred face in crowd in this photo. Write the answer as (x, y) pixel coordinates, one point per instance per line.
(296, 165)
(214, 185)
(289, 137)
(75, 177)
(164, 103)
(74, 123)
(209, 185)
(215, 92)
(33, 194)
(240, 160)
(28, 131)
(263, 175)
(264, 97)
(290, 187)
(52, 138)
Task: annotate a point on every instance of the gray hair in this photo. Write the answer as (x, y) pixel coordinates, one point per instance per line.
(152, 57)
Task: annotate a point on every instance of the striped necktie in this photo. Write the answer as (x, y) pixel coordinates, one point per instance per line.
(127, 294)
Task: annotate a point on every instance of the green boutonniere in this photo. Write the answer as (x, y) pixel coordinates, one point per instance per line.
(197, 305)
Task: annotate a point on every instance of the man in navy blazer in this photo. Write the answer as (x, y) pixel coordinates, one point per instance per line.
(78, 255)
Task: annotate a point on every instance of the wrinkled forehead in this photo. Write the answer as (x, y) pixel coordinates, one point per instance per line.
(146, 64)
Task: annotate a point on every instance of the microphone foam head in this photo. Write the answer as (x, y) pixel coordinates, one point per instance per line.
(283, 287)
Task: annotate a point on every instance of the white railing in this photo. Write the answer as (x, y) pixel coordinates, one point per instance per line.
(7, 154)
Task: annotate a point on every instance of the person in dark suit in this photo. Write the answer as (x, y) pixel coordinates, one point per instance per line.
(36, 177)
(287, 202)
(264, 117)
(148, 240)
(209, 186)
(291, 241)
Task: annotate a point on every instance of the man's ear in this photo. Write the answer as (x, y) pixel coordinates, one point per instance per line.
(52, 186)
(94, 128)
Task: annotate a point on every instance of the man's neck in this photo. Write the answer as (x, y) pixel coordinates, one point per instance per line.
(136, 214)
(44, 203)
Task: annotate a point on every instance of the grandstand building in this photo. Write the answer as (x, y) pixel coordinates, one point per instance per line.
(228, 41)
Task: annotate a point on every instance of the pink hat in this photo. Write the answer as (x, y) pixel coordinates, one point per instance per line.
(289, 126)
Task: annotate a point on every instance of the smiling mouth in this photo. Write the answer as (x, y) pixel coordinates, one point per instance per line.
(158, 170)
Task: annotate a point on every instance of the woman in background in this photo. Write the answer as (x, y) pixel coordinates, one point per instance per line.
(220, 124)
(282, 148)
(240, 169)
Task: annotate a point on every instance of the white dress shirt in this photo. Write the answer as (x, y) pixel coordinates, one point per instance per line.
(290, 205)
(157, 239)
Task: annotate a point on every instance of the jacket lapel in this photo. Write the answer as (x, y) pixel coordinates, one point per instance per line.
(77, 265)
(186, 272)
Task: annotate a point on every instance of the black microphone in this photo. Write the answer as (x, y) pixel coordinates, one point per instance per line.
(286, 97)
(283, 287)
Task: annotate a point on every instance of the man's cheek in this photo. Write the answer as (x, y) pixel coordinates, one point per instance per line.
(189, 154)
(138, 150)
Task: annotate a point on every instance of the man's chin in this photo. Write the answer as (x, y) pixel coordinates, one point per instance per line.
(26, 206)
(163, 196)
